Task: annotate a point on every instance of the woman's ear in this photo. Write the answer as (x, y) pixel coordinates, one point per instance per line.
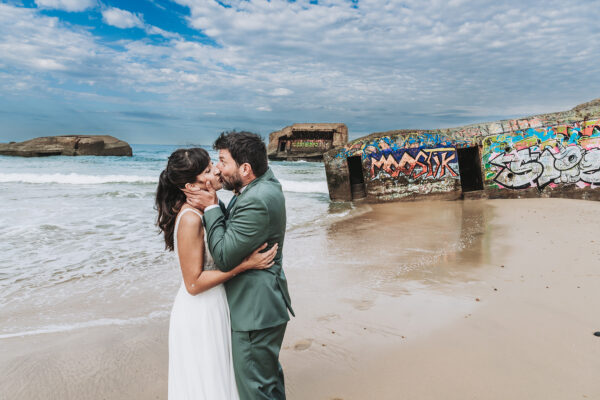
(189, 186)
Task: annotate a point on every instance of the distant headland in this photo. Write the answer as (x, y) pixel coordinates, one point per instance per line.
(68, 145)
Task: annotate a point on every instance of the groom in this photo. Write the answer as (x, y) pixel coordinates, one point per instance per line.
(258, 299)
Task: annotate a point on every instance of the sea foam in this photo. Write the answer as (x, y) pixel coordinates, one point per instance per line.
(87, 324)
(80, 179)
(303, 186)
(75, 179)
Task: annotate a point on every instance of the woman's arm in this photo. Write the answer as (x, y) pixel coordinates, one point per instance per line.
(190, 246)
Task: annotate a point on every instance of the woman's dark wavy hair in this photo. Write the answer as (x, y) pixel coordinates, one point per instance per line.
(183, 167)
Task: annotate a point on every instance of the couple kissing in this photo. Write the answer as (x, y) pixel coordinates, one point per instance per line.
(231, 311)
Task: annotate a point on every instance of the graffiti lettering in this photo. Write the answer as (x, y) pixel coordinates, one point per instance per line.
(316, 143)
(444, 166)
(414, 163)
(527, 168)
(412, 140)
(541, 157)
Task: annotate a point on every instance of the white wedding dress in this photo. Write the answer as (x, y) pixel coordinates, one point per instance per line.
(200, 362)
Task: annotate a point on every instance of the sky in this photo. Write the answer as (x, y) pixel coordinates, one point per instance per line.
(182, 71)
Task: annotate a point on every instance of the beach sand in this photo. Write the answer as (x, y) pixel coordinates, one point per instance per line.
(473, 299)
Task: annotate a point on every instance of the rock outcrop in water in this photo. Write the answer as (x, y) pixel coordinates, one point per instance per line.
(68, 145)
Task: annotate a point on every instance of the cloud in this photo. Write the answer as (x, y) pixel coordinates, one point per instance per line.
(121, 18)
(281, 92)
(145, 115)
(66, 5)
(376, 65)
(153, 30)
(31, 44)
(125, 19)
(419, 56)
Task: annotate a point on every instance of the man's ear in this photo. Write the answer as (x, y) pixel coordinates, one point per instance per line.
(246, 169)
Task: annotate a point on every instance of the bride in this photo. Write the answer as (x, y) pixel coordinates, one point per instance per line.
(200, 363)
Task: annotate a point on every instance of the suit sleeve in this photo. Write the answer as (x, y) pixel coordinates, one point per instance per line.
(245, 231)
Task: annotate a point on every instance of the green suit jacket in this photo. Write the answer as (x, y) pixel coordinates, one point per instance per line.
(258, 299)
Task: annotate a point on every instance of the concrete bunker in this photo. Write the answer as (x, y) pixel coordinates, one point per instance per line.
(548, 155)
(306, 141)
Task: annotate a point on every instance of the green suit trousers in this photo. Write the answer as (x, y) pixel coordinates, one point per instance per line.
(258, 373)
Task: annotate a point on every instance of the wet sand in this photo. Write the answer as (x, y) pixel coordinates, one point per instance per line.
(427, 300)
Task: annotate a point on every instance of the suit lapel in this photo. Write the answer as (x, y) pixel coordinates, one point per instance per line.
(266, 176)
(231, 203)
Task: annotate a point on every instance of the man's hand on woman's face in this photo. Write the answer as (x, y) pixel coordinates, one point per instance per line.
(199, 198)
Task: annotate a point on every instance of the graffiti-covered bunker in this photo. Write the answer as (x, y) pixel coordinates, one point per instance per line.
(306, 141)
(548, 155)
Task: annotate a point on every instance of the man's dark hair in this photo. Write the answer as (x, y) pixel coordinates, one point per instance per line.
(245, 147)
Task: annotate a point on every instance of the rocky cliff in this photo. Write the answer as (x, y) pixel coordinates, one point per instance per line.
(68, 145)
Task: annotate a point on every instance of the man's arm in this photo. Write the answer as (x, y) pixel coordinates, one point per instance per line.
(245, 232)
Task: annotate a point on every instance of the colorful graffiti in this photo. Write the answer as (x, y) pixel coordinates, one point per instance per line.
(366, 148)
(415, 163)
(422, 156)
(541, 157)
(311, 144)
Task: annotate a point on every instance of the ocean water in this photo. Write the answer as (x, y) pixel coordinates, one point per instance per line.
(78, 241)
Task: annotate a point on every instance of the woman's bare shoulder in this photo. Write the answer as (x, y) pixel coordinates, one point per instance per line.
(189, 219)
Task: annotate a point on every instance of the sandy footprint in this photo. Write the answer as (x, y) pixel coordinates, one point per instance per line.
(328, 317)
(303, 344)
(361, 304)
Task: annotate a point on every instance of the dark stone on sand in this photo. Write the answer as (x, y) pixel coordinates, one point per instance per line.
(68, 145)
(597, 333)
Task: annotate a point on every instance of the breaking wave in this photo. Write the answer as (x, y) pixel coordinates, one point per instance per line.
(87, 324)
(303, 186)
(80, 179)
(75, 179)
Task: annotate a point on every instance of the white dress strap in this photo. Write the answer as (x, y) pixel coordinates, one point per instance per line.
(208, 264)
(177, 226)
(192, 210)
